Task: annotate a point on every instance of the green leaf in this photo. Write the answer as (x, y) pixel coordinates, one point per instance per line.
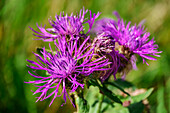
(141, 96)
(124, 84)
(83, 106)
(117, 109)
(110, 94)
(108, 101)
(95, 102)
(136, 107)
(106, 91)
(92, 97)
(105, 108)
(117, 86)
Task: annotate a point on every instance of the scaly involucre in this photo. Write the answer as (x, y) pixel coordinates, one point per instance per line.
(66, 68)
(104, 46)
(64, 25)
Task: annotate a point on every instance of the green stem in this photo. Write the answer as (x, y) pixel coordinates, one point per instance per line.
(100, 103)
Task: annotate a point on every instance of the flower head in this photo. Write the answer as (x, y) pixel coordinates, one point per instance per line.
(122, 41)
(66, 67)
(131, 39)
(64, 25)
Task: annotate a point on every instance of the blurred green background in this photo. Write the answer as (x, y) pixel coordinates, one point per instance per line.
(16, 45)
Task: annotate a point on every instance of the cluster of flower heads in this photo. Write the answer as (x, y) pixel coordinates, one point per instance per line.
(76, 58)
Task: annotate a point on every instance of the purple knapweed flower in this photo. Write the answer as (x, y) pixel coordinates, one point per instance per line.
(67, 67)
(128, 40)
(133, 39)
(64, 25)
